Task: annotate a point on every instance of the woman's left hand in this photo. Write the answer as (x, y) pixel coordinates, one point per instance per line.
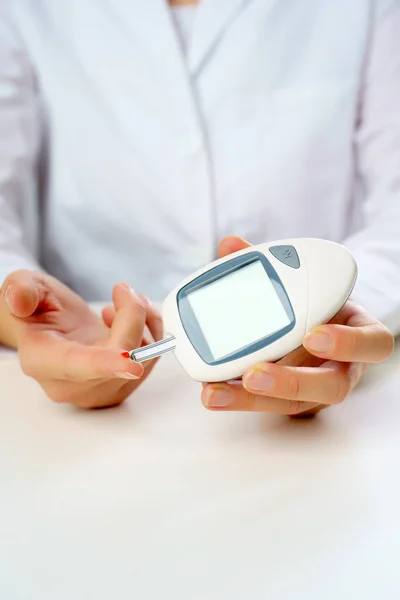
(319, 374)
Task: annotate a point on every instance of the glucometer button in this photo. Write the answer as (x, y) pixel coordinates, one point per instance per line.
(287, 255)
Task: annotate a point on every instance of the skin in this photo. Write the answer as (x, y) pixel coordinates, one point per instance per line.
(183, 2)
(319, 374)
(74, 354)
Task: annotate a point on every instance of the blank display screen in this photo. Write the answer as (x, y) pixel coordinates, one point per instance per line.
(238, 309)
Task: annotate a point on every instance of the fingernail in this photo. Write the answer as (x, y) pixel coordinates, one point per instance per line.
(319, 342)
(260, 381)
(218, 397)
(125, 375)
(128, 287)
(7, 297)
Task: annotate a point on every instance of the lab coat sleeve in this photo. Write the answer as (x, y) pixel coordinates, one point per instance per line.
(19, 142)
(377, 246)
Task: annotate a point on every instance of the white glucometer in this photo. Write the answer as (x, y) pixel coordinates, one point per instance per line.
(254, 305)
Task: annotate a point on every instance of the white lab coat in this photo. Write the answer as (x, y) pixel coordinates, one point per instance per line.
(283, 121)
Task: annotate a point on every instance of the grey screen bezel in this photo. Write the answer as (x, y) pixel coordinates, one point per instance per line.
(192, 327)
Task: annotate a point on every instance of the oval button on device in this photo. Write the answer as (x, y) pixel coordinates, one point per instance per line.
(287, 255)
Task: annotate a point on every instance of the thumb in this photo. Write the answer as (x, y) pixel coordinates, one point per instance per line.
(23, 291)
(231, 244)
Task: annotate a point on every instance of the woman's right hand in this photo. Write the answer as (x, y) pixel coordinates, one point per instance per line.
(74, 354)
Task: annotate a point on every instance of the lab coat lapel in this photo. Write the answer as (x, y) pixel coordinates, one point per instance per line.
(213, 19)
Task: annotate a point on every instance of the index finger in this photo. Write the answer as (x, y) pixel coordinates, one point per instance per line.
(153, 320)
(47, 355)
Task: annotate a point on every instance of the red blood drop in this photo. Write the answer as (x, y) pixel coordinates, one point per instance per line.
(125, 354)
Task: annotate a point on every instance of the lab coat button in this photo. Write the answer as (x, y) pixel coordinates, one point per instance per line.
(191, 144)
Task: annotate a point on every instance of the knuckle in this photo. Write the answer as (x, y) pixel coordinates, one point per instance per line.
(343, 388)
(293, 388)
(383, 345)
(352, 344)
(245, 401)
(388, 344)
(253, 403)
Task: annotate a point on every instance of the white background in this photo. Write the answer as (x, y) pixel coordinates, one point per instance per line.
(163, 499)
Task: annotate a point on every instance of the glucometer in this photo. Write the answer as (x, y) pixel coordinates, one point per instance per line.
(254, 305)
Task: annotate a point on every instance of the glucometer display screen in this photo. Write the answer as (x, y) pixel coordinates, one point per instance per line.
(238, 309)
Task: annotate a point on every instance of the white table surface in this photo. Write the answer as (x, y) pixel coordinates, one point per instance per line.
(162, 499)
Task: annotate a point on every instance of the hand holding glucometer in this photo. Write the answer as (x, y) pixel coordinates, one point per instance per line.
(254, 305)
